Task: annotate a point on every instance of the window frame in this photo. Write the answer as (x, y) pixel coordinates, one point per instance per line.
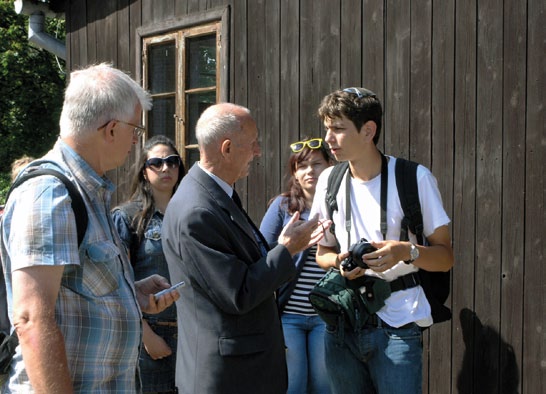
(179, 30)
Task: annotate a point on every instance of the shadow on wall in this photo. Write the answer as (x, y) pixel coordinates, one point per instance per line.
(489, 363)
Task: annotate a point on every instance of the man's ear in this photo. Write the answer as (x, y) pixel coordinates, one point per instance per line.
(108, 131)
(226, 147)
(368, 130)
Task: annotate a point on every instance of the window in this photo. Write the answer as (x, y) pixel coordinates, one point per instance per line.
(184, 71)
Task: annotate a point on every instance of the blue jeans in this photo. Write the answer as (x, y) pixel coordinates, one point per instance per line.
(304, 338)
(375, 360)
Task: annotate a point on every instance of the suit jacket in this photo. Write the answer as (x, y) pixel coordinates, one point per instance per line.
(230, 336)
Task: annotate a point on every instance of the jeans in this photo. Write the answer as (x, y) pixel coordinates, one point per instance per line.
(375, 360)
(304, 338)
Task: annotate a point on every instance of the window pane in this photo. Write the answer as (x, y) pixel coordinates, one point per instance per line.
(196, 103)
(161, 118)
(161, 75)
(201, 61)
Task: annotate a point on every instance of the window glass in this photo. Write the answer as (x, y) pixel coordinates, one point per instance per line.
(162, 63)
(161, 118)
(196, 103)
(201, 61)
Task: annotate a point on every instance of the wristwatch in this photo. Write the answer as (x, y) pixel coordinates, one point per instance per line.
(414, 254)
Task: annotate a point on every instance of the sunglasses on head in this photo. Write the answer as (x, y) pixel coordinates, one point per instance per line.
(157, 163)
(314, 143)
(360, 92)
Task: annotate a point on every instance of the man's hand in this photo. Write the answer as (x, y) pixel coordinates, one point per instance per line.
(298, 234)
(147, 287)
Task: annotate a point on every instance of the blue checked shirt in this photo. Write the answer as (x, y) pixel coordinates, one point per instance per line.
(96, 309)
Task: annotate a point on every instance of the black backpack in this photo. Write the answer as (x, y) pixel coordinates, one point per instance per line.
(435, 284)
(8, 343)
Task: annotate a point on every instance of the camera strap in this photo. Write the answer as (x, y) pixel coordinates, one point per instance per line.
(384, 189)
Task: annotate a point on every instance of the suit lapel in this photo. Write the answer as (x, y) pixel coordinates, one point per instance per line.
(224, 201)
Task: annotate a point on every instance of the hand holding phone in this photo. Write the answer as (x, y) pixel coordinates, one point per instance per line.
(173, 287)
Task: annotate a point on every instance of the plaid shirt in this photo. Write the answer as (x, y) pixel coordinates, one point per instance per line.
(96, 309)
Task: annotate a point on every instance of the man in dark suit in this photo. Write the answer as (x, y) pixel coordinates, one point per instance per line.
(230, 335)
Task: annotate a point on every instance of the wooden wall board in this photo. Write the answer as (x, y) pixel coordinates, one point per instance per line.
(441, 161)
(289, 94)
(373, 52)
(350, 44)
(534, 308)
(396, 106)
(464, 197)
(513, 192)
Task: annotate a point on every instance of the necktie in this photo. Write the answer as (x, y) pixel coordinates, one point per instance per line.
(257, 234)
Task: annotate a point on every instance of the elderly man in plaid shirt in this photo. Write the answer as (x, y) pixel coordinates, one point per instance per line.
(76, 310)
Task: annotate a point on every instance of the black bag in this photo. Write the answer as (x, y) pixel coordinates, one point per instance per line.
(8, 343)
(435, 284)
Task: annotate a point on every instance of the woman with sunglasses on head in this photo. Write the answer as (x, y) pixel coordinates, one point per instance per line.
(303, 329)
(138, 221)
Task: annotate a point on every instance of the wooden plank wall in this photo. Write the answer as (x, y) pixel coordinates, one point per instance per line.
(463, 86)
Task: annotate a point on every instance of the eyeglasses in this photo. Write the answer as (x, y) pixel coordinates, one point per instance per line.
(361, 92)
(137, 131)
(157, 163)
(314, 143)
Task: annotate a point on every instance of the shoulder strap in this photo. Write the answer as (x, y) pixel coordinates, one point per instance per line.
(80, 211)
(334, 182)
(435, 284)
(406, 183)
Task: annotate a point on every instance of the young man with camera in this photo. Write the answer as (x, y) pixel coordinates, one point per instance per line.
(384, 354)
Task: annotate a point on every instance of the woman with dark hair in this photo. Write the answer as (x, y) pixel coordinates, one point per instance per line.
(138, 221)
(303, 329)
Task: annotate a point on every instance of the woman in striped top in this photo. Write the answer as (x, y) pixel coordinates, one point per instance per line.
(303, 329)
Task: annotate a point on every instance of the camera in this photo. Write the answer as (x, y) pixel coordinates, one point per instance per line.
(355, 257)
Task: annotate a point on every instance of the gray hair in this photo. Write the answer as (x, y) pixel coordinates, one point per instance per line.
(219, 121)
(98, 94)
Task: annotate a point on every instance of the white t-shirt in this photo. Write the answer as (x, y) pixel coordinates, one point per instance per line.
(404, 306)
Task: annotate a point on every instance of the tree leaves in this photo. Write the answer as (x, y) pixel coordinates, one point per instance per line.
(31, 89)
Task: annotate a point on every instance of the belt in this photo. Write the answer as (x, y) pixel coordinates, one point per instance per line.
(162, 323)
(405, 282)
(375, 321)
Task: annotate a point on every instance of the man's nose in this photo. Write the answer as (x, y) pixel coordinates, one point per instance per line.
(329, 136)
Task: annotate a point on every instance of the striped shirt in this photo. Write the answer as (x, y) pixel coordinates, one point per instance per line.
(96, 308)
(298, 303)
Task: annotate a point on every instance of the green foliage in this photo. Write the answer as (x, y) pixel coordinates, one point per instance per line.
(32, 83)
(5, 182)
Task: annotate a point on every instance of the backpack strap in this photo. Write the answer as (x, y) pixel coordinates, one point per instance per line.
(406, 183)
(334, 182)
(435, 284)
(82, 219)
(80, 211)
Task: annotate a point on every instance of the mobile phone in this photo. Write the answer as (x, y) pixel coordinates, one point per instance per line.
(175, 286)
